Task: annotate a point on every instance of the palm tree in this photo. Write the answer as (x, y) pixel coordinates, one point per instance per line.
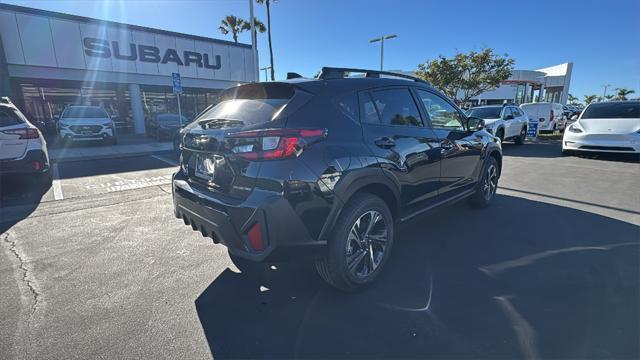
(572, 99)
(609, 97)
(235, 25)
(588, 99)
(622, 93)
(267, 3)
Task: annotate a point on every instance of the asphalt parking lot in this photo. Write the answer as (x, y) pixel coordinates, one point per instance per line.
(97, 266)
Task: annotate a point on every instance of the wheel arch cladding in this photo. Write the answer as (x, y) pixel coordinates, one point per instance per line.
(496, 155)
(382, 191)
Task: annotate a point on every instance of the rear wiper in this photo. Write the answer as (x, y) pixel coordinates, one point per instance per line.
(218, 123)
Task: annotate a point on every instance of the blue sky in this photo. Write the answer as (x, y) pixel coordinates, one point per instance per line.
(602, 38)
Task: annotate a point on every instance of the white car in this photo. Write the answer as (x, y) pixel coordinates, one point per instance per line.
(23, 150)
(605, 127)
(505, 122)
(550, 116)
(86, 123)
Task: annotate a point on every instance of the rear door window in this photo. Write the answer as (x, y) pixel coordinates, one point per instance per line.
(8, 117)
(395, 107)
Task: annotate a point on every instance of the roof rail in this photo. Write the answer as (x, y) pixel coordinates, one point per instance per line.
(338, 73)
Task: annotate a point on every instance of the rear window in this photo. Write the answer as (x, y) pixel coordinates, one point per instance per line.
(486, 113)
(8, 117)
(250, 104)
(621, 110)
(84, 112)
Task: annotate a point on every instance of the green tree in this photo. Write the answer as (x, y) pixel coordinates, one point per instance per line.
(573, 100)
(267, 3)
(588, 99)
(235, 25)
(609, 97)
(467, 75)
(622, 93)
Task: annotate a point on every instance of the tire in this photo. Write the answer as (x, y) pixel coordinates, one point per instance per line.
(519, 140)
(485, 191)
(111, 141)
(354, 219)
(567, 153)
(500, 135)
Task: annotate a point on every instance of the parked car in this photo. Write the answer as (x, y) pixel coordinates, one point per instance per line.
(322, 169)
(86, 123)
(23, 150)
(506, 122)
(550, 116)
(164, 126)
(605, 127)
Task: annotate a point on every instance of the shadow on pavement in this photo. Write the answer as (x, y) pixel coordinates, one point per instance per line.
(520, 279)
(529, 149)
(553, 149)
(19, 197)
(84, 168)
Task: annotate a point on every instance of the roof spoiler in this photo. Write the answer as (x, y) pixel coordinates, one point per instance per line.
(328, 73)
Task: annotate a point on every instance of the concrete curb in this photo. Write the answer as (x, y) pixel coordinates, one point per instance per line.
(104, 156)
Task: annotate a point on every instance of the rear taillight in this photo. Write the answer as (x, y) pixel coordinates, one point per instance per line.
(551, 116)
(271, 144)
(28, 133)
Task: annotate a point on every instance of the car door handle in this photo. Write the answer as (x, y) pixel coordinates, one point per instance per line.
(385, 142)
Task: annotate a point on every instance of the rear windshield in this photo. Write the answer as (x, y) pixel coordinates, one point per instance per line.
(250, 104)
(8, 117)
(85, 112)
(486, 113)
(620, 110)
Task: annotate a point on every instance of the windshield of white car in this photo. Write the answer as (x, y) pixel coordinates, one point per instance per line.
(486, 112)
(84, 113)
(613, 110)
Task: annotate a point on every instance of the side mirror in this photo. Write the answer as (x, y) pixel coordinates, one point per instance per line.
(508, 117)
(475, 124)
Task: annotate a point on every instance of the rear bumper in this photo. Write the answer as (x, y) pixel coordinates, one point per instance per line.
(228, 222)
(622, 143)
(26, 164)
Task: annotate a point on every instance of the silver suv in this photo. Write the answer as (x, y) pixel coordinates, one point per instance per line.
(86, 123)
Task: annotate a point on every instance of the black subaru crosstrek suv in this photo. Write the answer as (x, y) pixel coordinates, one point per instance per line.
(322, 169)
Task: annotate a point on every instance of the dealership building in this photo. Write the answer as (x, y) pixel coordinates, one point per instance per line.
(549, 84)
(49, 60)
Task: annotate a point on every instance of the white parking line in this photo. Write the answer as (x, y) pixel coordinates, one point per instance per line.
(163, 159)
(57, 188)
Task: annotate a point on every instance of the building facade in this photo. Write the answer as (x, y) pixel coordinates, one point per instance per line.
(49, 60)
(549, 84)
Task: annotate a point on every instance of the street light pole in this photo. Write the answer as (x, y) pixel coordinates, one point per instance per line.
(382, 39)
(254, 41)
(265, 72)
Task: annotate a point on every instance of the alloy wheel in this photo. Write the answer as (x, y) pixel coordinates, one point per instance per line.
(366, 244)
(490, 182)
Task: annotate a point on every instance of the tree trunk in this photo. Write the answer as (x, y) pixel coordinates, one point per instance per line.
(273, 72)
(235, 36)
